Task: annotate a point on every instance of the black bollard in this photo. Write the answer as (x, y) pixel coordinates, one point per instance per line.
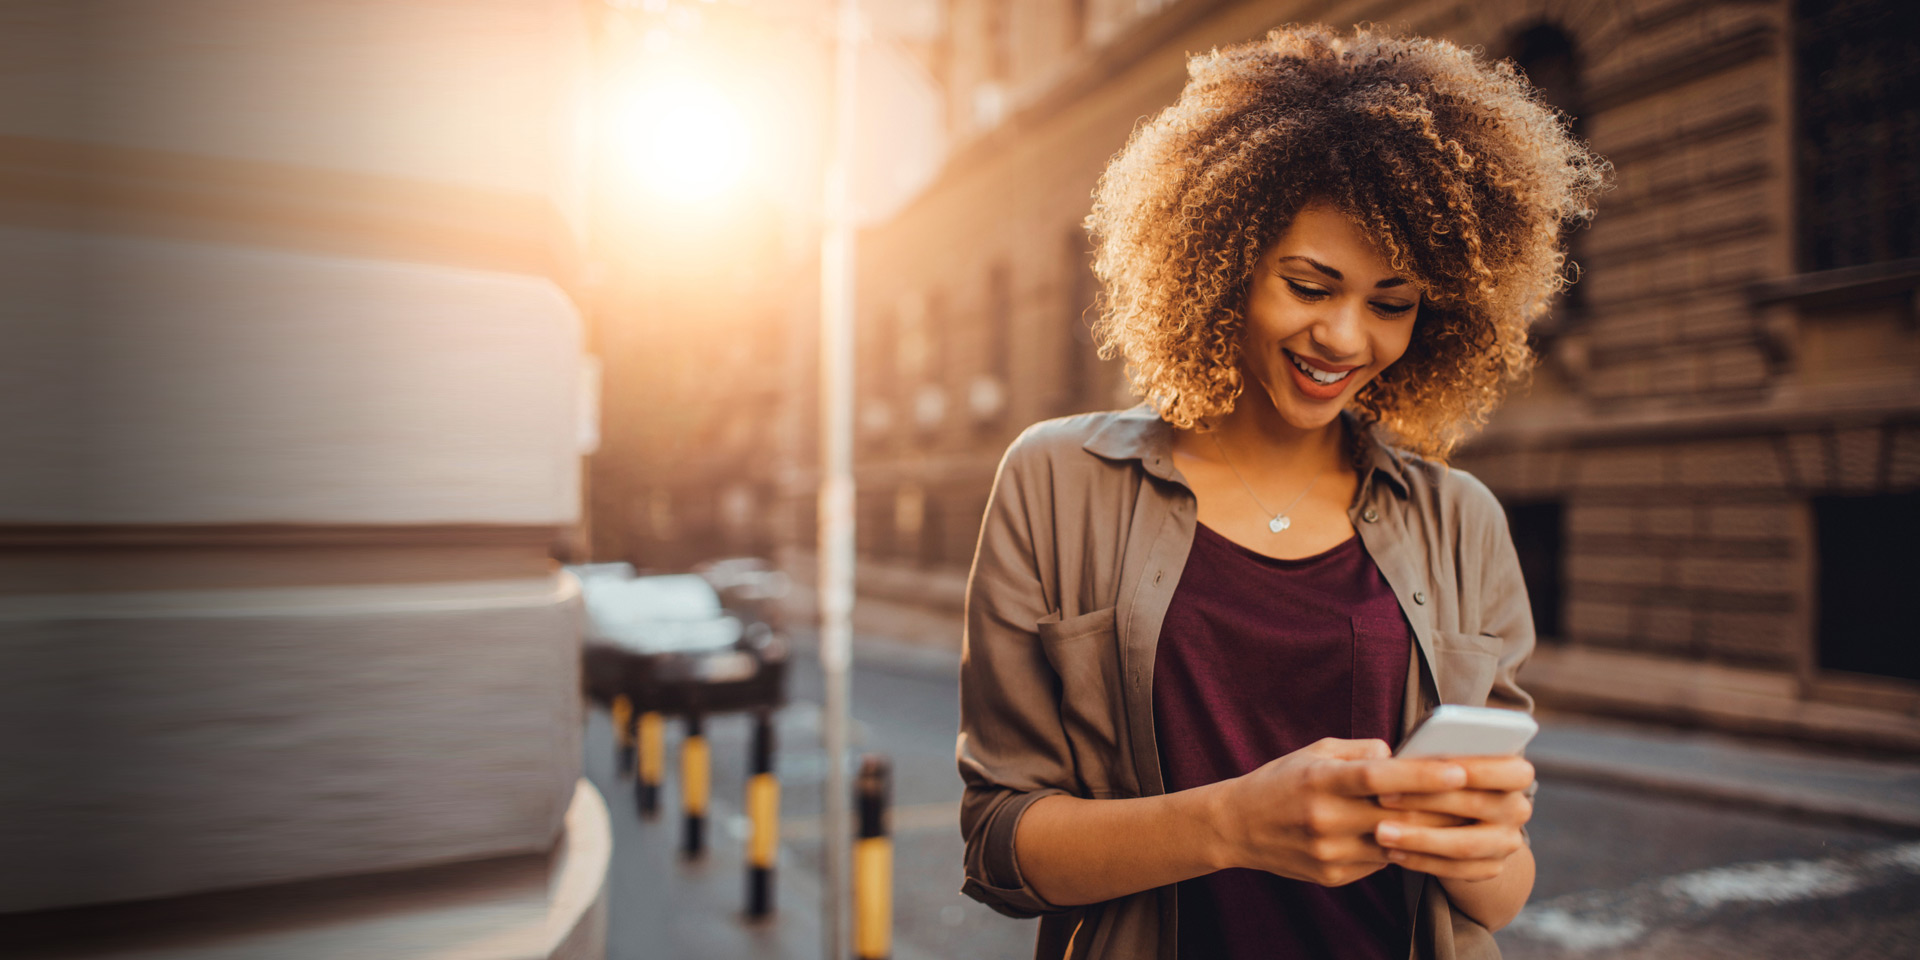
(763, 812)
(873, 863)
(696, 768)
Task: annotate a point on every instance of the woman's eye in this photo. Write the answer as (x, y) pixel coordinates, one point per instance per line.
(1392, 309)
(1305, 292)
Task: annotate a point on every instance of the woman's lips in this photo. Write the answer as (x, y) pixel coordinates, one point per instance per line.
(1314, 389)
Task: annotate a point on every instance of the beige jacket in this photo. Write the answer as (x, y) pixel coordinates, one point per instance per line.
(1084, 540)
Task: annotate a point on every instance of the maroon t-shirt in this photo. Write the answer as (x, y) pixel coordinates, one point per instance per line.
(1259, 657)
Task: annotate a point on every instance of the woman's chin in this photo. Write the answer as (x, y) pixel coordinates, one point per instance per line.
(1301, 413)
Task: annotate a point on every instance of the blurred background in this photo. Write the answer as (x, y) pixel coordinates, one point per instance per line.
(332, 330)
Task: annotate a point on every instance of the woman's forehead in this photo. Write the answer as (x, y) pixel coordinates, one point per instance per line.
(1328, 241)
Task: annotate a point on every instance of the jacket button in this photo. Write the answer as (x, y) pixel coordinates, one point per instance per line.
(1420, 597)
(1370, 515)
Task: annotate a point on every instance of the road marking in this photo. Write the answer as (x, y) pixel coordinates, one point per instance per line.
(1604, 919)
(1765, 883)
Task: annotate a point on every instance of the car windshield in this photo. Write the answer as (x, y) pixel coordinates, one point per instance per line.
(678, 613)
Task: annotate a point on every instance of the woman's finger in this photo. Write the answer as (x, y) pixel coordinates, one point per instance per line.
(1496, 773)
(1476, 841)
(1345, 851)
(1493, 807)
(1371, 778)
(1444, 867)
(1425, 818)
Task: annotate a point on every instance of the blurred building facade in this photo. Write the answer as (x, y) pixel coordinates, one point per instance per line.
(1714, 475)
(697, 300)
(695, 334)
(294, 427)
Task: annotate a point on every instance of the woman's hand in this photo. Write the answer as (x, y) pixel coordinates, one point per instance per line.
(1311, 815)
(1483, 863)
(1492, 806)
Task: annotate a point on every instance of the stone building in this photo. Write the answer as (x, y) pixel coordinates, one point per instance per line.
(293, 427)
(1715, 474)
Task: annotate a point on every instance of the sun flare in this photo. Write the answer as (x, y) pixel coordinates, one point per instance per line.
(683, 139)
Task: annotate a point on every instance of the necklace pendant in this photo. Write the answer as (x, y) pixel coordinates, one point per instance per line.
(1279, 523)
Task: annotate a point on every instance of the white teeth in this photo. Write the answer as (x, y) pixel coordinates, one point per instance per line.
(1319, 376)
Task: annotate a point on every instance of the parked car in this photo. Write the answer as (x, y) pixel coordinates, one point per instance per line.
(751, 585)
(705, 642)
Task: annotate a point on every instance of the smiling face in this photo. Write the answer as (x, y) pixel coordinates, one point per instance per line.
(1325, 314)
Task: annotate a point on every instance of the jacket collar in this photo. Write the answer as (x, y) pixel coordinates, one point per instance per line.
(1138, 433)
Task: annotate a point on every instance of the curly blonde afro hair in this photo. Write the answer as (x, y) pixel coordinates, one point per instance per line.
(1462, 174)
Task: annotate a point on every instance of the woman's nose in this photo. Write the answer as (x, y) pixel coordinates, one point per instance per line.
(1341, 332)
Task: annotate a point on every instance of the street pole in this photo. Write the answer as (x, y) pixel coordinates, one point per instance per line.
(836, 480)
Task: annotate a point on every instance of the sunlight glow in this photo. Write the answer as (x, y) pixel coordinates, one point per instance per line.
(683, 139)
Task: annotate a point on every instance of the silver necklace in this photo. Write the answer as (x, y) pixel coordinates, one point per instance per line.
(1280, 520)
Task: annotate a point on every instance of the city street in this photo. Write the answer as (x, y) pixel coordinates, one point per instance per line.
(1623, 873)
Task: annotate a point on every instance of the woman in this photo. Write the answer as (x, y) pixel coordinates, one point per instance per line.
(1195, 628)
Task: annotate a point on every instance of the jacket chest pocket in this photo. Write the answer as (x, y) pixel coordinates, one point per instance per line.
(1465, 666)
(1085, 653)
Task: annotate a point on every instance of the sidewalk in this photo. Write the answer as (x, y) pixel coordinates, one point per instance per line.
(1758, 774)
(1709, 766)
(659, 905)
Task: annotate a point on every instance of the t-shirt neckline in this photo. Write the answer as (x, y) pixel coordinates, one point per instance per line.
(1287, 562)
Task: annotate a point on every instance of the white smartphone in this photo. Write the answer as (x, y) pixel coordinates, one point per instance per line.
(1452, 730)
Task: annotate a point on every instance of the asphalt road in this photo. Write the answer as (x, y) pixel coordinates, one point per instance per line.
(1623, 874)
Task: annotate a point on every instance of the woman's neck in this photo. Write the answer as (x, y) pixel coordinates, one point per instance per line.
(1256, 434)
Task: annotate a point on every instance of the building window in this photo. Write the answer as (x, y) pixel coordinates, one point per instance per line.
(909, 519)
(999, 320)
(911, 344)
(924, 352)
(1546, 54)
(875, 367)
(1537, 528)
(1081, 359)
(1858, 93)
(1867, 565)
(933, 531)
(1077, 23)
(999, 40)
(988, 392)
(961, 512)
(872, 523)
(941, 63)
(883, 353)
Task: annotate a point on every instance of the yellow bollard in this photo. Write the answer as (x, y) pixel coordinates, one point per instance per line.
(873, 864)
(696, 768)
(622, 715)
(763, 812)
(652, 763)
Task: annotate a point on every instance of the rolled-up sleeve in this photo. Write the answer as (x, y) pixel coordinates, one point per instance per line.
(1012, 749)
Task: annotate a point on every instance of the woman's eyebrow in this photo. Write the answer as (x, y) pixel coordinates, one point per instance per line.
(1333, 274)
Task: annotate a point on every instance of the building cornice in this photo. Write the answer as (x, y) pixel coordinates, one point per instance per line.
(129, 191)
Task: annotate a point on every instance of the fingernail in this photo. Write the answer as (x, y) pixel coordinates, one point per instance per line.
(1389, 799)
(1386, 833)
(1396, 856)
(1455, 776)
